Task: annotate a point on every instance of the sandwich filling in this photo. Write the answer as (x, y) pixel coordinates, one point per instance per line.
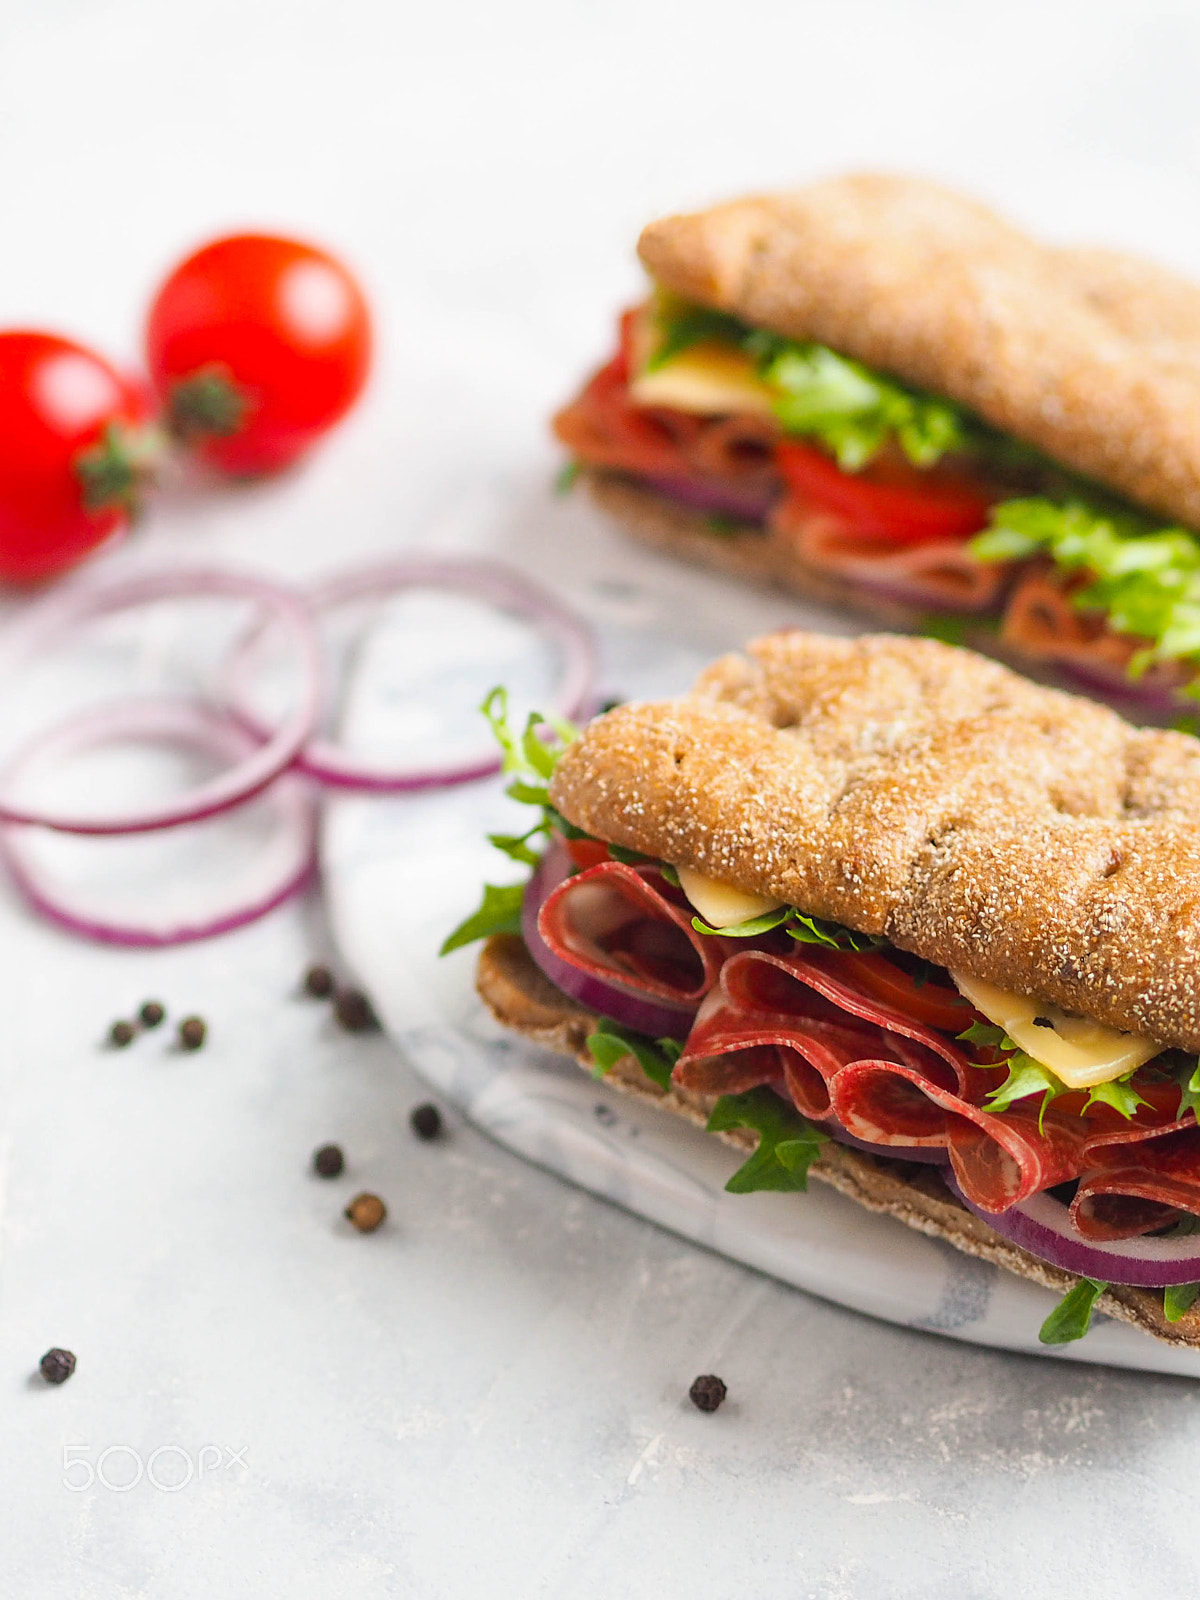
(868, 480)
(805, 1030)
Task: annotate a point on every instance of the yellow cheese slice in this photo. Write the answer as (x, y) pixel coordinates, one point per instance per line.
(1080, 1052)
(719, 904)
(709, 379)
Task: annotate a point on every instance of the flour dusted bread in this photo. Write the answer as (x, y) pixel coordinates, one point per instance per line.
(1092, 356)
(904, 787)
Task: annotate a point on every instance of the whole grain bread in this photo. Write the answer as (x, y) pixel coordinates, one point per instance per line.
(1090, 355)
(907, 788)
(523, 999)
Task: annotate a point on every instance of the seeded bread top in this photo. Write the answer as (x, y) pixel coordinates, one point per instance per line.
(903, 787)
(1090, 355)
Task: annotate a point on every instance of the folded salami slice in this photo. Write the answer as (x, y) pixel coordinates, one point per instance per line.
(620, 922)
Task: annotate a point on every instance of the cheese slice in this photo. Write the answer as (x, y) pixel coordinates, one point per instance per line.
(708, 379)
(719, 904)
(1079, 1052)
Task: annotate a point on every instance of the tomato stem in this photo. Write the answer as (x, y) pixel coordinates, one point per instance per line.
(115, 471)
(207, 401)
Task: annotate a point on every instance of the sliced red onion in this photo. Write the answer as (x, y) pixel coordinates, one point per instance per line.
(192, 725)
(259, 762)
(486, 580)
(626, 1007)
(747, 502)
(927, 1155)
(1042, 1226)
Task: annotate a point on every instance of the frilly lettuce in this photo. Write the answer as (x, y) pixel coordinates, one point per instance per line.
(842, 404)
(1146, 580)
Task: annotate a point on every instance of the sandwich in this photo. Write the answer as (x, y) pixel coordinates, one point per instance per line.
(880, 395)
(883, 913)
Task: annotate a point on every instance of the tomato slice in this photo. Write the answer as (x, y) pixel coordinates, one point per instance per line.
(587, 853)
(889, 500)
(926, 1002)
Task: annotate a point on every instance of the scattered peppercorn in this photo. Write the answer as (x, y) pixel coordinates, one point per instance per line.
(57, 1365)
(318, 982)
(192, 1031)
(328, 1161)
(426, 1121)
(707, 1392)
(355, 1012)
(121, 1034)
(152, 1014)
(366, 1212)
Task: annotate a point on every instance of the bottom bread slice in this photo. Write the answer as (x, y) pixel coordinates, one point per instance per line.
(522, 998)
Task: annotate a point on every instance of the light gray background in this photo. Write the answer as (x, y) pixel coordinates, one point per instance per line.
(486, 1398)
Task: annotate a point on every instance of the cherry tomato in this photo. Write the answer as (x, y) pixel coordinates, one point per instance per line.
(71, 453)
(888, 500)
(258, 346)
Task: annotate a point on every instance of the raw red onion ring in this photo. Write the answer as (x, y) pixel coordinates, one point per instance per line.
(259, 763)
(487, 580)
(1042, 1226)
(181, 722)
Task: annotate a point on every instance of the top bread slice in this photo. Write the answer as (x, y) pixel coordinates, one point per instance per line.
(904, 787)
(1092, 356)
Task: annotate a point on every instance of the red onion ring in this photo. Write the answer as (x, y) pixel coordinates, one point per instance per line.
(644, 1015)
(487, 580)
(197, 726)
(1042, 1226)
(259, 764)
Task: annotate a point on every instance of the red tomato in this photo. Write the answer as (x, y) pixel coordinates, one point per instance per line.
(924, 1002)
(258, 346)
(69, 453)
(888, 500)
(587, 853)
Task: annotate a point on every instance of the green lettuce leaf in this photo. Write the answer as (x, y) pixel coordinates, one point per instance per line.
(1178, 1299)
(656, 1057)
(989, 1035)
(1025, 1077)
(816, 930)
(1119, 1093)
(499, 912)
(845, 406)
(788, 1143)
(681, 325)
(1145, 579)
(1189, 1091)
(750, 928)
(1072, 1317)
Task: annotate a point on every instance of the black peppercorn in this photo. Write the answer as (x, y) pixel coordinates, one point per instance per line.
(328, 1161)
(192, 1031)
(707, 1392)
(367, 1212)
(354, 1011)
(121, 1034)
(57, 1365)
(152, 1014)
(426, 1121)
(318, 982)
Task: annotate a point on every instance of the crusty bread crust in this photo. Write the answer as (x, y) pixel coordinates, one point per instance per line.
(523, 999)
(1092, 356)
(903, 787)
